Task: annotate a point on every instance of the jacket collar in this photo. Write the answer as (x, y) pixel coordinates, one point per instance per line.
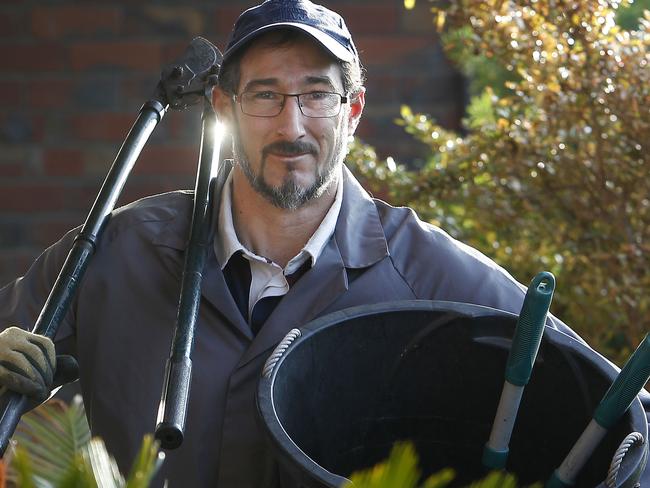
(359, 233)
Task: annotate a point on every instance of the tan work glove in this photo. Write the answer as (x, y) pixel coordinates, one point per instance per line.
(27, 363)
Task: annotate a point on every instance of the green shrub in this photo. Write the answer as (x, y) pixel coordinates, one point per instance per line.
(553, 174)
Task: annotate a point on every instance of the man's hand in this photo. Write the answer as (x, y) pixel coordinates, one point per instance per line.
(27, 363)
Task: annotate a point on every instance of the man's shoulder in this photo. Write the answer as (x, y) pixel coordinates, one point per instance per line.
(418, 247)
(148, 216)
(161, 207)
(404, 223)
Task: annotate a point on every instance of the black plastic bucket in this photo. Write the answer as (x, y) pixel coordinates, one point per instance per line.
(358, 380)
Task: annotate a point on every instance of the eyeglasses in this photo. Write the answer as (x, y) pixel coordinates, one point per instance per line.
(317, 104)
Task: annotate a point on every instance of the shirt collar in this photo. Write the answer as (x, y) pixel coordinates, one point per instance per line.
(227, 243)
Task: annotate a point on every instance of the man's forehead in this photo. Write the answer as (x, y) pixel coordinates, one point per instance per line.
(322, 82)
(273, 58)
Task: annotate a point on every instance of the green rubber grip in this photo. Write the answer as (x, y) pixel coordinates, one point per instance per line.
(555, 482)
(530, 327)
(494, 459)
(626, 386)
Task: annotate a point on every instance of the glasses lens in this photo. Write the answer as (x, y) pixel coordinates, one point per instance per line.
(320, 104)
(262, 104)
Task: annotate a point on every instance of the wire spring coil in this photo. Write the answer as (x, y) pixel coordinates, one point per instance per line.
(279, 351)
(620, 453)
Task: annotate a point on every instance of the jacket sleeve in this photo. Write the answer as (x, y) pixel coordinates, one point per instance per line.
(21, 301)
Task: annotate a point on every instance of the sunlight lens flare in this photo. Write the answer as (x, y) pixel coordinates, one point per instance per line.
(219, 136)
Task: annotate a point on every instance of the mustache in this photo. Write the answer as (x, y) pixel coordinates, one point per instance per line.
(289, 148)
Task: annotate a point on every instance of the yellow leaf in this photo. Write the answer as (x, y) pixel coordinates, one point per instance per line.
(405, 112)
(554, 87)
(409, 4)
(440, 21)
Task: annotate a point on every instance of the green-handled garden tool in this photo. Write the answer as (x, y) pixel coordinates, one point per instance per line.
(525, 344)
(611, 408)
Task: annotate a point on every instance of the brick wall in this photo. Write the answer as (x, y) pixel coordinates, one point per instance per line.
(73, 76)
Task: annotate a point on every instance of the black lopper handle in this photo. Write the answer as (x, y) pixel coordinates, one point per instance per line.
(14, 406)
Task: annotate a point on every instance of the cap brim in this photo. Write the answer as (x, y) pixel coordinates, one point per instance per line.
(323, 39)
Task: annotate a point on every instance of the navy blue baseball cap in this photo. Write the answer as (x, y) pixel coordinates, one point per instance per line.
(325, 26)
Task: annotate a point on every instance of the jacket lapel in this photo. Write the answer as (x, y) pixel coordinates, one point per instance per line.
(215, 291)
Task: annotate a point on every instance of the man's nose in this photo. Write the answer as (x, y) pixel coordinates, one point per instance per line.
(291, 121)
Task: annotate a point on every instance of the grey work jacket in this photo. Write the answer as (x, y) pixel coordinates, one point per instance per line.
(120, 325)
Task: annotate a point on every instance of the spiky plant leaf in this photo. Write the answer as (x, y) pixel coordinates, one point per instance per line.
(146, 464)
(22, 466)
(102, 464)
(79, 475)
(52, 434)
(400, 469)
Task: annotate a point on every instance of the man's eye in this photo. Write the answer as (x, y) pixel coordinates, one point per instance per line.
(317, 95)
(265, 95)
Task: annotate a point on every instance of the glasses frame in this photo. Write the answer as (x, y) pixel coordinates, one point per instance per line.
(344, 100)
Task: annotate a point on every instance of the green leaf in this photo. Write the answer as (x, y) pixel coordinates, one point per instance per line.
(146, 463)
(102, 464)
(54, 449)
(52, 435)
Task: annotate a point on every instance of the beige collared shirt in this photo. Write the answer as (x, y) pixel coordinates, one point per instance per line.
(267, 277)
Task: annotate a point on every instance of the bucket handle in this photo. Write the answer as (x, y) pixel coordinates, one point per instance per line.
(277, 353)
(620, 453)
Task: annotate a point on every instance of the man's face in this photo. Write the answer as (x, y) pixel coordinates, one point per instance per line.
(291, 159)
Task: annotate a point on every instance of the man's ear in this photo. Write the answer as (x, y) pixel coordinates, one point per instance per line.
(357, 102)
(222, 103)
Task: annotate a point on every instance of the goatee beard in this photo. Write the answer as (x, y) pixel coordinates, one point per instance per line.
(289, 195)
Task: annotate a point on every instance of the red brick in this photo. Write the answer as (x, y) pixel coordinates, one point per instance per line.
(11, 170)
(377, 50)
(38, 127)
(420, 19)
(139, 56)
(31, 125)
(29, 197)
(371, 19)
(49, 93)
(225, 17)
(12, 23)
(32, 57)
(104, 126)
(11, 93)
(80, 198)
(168, 160)
(57, 22)
(184, 21)
(63, 162)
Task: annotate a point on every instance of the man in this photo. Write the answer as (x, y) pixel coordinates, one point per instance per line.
(295, 237)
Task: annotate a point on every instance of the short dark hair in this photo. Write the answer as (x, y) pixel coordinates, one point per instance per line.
(353, 72)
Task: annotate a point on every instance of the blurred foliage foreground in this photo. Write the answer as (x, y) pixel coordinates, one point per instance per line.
(52, 448)
(553, 173)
